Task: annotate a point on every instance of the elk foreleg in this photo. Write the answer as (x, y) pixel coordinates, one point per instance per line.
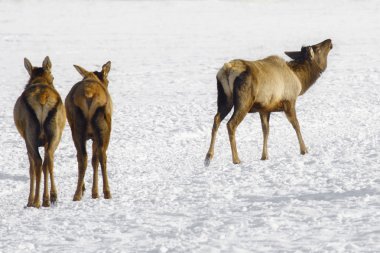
(264, 116)
(290, 112)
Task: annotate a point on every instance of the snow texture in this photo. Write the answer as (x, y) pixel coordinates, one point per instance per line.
(165, 55)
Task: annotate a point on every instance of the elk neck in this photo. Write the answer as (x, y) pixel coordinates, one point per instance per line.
(39, 80)
(307, 72)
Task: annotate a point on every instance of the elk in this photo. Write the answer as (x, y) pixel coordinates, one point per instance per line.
(39, 116)
(89, 112)
(265, 86)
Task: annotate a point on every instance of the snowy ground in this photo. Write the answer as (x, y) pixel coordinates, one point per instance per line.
(165, 55)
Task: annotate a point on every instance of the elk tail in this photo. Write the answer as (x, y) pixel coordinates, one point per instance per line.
(89, 91)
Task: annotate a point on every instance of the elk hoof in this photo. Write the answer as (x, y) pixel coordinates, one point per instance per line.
(264, 157)
(46, 203)
(95, 195)
(53, 202)
(107, 195)
(77, 197)
(53, 197)
(207, 162)
(37, 204)
(304, 152)
(208, 159)
(236, 161)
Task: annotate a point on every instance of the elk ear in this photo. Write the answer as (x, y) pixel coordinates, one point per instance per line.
(28, 66)
(106, 68)
(295, 55)
(46, 64)
(310, 53)
(84, 73)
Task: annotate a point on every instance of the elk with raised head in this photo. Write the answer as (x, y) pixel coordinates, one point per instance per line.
(40, 118)
(89, 112)
(265, 86)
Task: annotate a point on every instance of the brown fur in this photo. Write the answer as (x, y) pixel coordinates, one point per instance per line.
(40, 117)
(89, 112)
(265, 86)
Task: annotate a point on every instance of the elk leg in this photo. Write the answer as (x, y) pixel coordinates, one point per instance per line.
(220, 115)
(32, 175)
(49, 159)
(45, 196)
(53, 188)
(101, 122)
(36, 167)
(103, 163)
(290, 112)
(264, 116)
(80, 144)
(237, 117)
(38, 170)
(95, 166)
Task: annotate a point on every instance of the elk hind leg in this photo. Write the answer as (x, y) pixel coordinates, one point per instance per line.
(95, 166)
(45, 169)
(49, 160)
(32, 174)
(80, 144)
(220, 115)
(35, 169)
(53, 188)
(101, 123)
(37, 164)
(237, 117)
(103, 163)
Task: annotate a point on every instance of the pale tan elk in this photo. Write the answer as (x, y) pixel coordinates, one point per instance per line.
(89, 112)
(40, 117)
(265, 86)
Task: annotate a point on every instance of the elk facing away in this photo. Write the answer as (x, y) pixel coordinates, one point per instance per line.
(89, 111)
(265, 86)
(40, 117)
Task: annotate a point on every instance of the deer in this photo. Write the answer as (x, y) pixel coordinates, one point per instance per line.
(89, 113)
(40, 118)
(265, 86)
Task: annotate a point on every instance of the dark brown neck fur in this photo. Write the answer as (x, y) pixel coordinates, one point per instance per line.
(306, 72)
(38, 80)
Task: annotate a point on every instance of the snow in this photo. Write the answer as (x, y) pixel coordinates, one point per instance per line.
(165, 55)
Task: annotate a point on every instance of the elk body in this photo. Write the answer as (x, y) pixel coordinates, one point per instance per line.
(265, 86)
(40, 117)
(89, 111)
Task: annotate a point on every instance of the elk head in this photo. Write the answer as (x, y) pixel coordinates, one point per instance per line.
(316, 54)
(39, 74)
(96, 75)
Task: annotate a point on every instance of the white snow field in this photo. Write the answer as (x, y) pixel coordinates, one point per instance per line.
(165, 55)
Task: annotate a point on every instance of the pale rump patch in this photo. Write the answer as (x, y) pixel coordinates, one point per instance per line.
(42, 99)
(89, 96)
(227, 75)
